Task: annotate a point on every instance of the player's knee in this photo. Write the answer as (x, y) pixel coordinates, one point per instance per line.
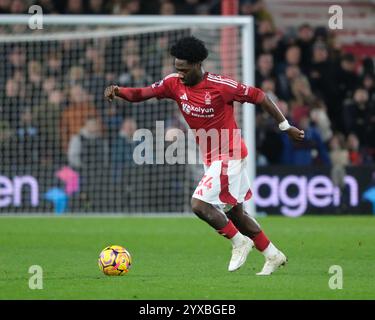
(230, 215)
(204, 210)
(197, 206)
(234, 214)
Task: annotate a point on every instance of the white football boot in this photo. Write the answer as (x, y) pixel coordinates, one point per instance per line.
(240, 253)
(273, 263)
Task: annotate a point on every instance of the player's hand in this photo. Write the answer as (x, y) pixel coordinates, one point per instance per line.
(110, 92)
(296, 134)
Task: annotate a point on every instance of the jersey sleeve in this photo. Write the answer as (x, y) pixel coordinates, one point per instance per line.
(243, 93)
(165, 87)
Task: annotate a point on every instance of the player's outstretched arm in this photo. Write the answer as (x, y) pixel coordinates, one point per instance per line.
(129, 94)
(271, 107)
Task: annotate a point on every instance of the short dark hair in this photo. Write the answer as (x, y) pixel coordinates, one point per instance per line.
(304, 26)
(190, 49)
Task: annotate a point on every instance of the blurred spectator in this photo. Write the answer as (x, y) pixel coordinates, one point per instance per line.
(48, 6)
(49, 84)
(53, 64)
(74, 7)
(75, 75)
(16, 61)
(293, 56)
(88, 154)
(87, 149)
(346, 79)
(167, 68)
(123, 147)
(139, 77)
(256, 8)
(158, 49)
(14, 102)
(47, 117)
(368, 83)
(94, 74)
(284, 81)
(264, 27)
(4, 6)
(355, 156)
(129, 60)
(72, 52)
(112, 120)
(188, 7)
(269, 141)
(312, 150)
(75, 115)
(27, 139)
(357, 115)
(304, 41)
(301, 91)
(268, 44)
(7, 150)
(167, 8)
(339, 157)
(18, 7)
(134, 74)
(320, 117)
(321, 73)
(97, 7)
(368, 66)
(269, 87)
(126, 7)
(264, 68)
(321, 34)
(34, 92)
(124, 162)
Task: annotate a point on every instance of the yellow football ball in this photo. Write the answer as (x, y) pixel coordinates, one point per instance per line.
(114, 261)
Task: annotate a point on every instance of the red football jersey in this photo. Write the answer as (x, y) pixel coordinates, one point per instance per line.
(209, 105)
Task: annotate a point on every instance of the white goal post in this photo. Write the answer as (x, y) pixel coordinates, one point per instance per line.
(132, 24)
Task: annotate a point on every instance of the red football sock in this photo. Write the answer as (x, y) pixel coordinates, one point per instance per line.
(261, 241)
(229, 231)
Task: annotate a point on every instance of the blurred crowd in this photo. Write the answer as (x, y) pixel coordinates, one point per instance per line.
(322, 89)
(53, 110)
(121, 7)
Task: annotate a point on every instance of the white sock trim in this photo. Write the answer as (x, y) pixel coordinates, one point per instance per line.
(270, 251)
(238, 239)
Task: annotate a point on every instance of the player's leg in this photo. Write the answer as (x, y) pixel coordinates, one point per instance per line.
(245, 224)
(217, 219)
(249, 227)
(210, 214)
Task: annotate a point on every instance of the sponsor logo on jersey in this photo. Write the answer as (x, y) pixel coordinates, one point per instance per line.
(197, 111)
(184, 96)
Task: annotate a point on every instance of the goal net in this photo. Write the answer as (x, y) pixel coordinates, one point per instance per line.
(64, 148)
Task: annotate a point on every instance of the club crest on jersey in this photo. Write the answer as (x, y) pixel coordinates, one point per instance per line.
(207, 98)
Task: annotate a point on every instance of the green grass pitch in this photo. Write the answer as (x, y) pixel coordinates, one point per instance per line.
(183, 258)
